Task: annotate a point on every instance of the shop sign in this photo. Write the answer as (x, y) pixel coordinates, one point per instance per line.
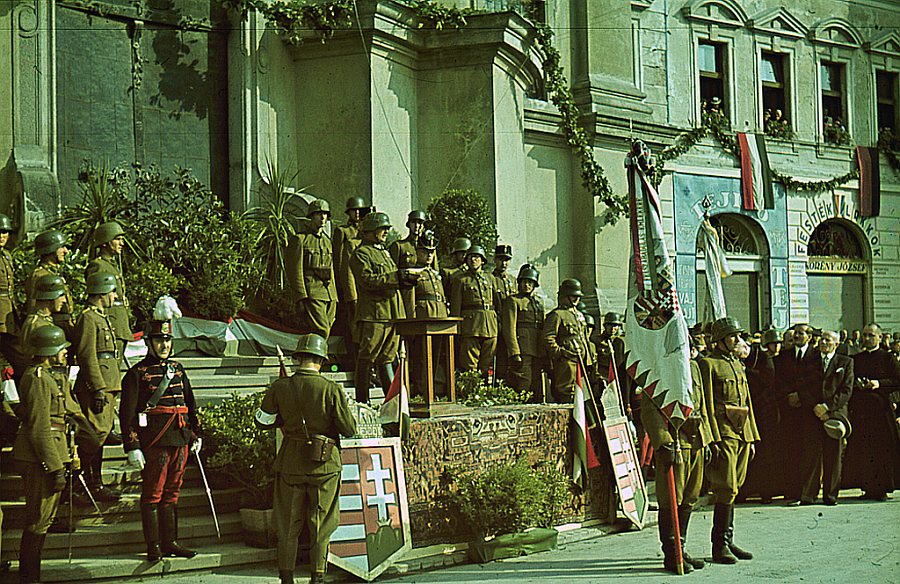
(836, 266)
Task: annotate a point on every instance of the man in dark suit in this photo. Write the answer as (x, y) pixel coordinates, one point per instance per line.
(795, 369)
(823, 401)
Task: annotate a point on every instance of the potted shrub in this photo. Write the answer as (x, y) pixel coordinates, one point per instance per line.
(243, 455)
(509, 508)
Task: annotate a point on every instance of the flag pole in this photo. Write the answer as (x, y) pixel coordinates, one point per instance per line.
(673, 506)
(615, 369)
(403, 372)
(587, 384)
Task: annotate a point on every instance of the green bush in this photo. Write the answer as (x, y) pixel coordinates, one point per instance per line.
(507, 499)
(145, 282)
(237, 448)
(461, 213)
(472, 391)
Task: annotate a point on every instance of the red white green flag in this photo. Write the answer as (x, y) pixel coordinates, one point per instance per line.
(395, 409)
(585, 458)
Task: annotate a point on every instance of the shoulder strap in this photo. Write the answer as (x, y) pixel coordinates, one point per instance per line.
(161, 388)
(302, 417)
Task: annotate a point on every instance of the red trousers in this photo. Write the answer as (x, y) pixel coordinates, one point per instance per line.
(162, 474)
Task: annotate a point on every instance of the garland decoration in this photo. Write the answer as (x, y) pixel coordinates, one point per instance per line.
(593, 176)
(818, 186)
(889, 144)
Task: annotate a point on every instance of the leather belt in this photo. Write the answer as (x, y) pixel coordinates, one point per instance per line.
(477, 307)
(57, 427)
(106, 355)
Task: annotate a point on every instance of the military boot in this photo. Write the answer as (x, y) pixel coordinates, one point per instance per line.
(94, 476)
(168, 528)
(150, 523)
(739, 553)
(286, 576)
(684, 517)
(30, 551)
(720, 550)
(361, 380)
(667, 539)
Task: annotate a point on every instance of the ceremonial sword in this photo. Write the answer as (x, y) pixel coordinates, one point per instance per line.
(209, 496)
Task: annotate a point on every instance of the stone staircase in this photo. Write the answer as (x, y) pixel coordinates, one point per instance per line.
(113, 547)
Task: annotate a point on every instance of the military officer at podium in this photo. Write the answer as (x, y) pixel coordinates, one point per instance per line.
(160, 428)
(428, 300)
(313, 414)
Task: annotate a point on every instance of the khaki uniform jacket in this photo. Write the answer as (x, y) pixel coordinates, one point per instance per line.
(522, 323)
(506, 284)
(725, 382)
(46, 402)
(346, 239)
(120, 312)
(403, 252)
(311, 267)
(7, 304)
(428, 298)
(449, 274)
(474, 297)
(308, 396)
(40, 317)
(377, 284)
(95, 338)
(658, 428)
(565, 336)
(45, 269)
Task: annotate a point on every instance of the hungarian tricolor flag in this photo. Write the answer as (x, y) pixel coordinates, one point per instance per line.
(656, 332)
(585, 458)
(395, 409)
(756, 176)
(869, 181)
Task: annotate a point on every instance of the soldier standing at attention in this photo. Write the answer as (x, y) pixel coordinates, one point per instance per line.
(41, 450)
(312, 276)
(346, 239)
(158, 417)
(726, 396)
(51, 248)
(49, 294)
(427, 300)
(459, 250)
(98, 383)
(566, 340)
(110, 239)
(506, 287)
(403, 251)
(378, 283)
(522, 320)
(683, 451)
(474, 297)
(8, 328)
(313, 414)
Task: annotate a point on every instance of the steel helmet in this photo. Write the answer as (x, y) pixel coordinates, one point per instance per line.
(49, 287)
(461, 244)
(356, 203)
(612, 318)
(374, 221)
(529, 272)
(476, 250)
(48, 242)
(106, 232)
(312, 344)
(724, 327)
(318, 206)
(48, 340)
(416, 215)
(570, 287)
(101, 283)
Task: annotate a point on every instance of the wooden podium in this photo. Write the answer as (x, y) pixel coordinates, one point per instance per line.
(429, 328)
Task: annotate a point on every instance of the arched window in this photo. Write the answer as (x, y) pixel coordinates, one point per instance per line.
(834, 240)
(736, 236)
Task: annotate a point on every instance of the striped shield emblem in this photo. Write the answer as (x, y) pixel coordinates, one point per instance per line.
(374, 529)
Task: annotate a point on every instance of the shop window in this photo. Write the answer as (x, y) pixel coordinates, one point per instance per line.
(886, 91)
(776, 116)
(713, 76)
(831, 239)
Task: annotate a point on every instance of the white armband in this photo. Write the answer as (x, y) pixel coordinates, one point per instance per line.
(265, 418)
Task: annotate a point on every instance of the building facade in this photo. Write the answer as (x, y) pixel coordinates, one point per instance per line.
(395, 111)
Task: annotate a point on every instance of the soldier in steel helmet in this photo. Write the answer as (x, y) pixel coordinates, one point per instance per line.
(726, 396)
(49, 294)
(43, 447)
(8, 328)
(110, 241)
(613, 334)
(51, 248)
(506, 287)
(521, 322)
(427, 300)
(474, 297)
(158, 417)
(313, 413)
(98, 383)
(683, 451)
(310, 263)
(346, 239)
(403, 251)
(378, 283)
(565, 337)
(458, 251)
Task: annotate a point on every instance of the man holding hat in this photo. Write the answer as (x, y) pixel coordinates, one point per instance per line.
(474, 297)
(346, 239)
(825, 402)
(98, 383)
(110, 240)
(522, 321)
(158, 417)
(313, 414)
(566, 341)
(8, 328)
(311, 273)
(726, 397)
(42, 449)
(378, 283)
(51, 248)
